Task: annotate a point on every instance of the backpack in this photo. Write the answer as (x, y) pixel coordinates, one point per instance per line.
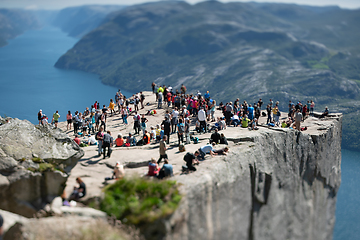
(182, 148)
(196, 140)
(97, 135)
(107, 138)
(181, 128)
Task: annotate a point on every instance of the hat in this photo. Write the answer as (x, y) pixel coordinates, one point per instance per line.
(184, 106)
(40, 110)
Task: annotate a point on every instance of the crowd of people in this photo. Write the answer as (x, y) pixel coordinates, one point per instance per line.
(185, 116)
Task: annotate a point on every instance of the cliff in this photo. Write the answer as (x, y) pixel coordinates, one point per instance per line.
(35, 162)
(275, 184)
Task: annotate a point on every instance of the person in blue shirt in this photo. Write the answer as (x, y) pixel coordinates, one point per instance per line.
(207, 149)
(251, 112)
(166, 170)
(207, 95)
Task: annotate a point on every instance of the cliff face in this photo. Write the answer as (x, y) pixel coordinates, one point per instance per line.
(276, 184)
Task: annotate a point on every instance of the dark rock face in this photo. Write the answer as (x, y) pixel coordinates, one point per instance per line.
(34, 165)
(281, 185)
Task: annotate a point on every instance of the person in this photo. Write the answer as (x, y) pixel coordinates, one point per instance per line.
(119, 171)
(79, 192)
(160, 96)
(1, 226)
(298, 118)
(191, 159)
(181, 131)
(223, 139)
(245, 122)
(174, 119)
(40, 116)
(312, 105)
(44, 120)
(99, 137)
(69, 120)
(212, 110)
(202, 119)
(153, 168)
(234, 120)
(146, 138)
(152, 133)
(107, 143)
(207, 149)
(119, 141)
(325, 113)
(143, 121)
(91, 140)
(187, 130)
(77, 139)
(75, 121)
(153, 85)
(166, 170)
(276, 115)
(167, 128)
(268, 111)
(112, 107)
(130, 141)
(215, 137)
(222, 151)
(183, 89)
(124, 114)
(162, 149)
(142, 98)
(136, 123)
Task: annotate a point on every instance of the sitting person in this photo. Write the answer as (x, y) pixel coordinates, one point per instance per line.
(91, 140)
(119, 171)
(234, 120)
(245, 122)
(222, 124)
(197, 126)
(223, 139)
(253, 124)
(166, 170)
(146, 138)
(119, 141)
(77, 139)
(215, 137)
(153, 168)
(130, 141)
(222, 151)
(79, 192)
(325, 113)
(191, 159)
(153, 133)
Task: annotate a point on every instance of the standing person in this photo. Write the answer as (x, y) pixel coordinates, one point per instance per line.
(103, 120)
(136, 123)
(181, 131)
(298, 118)
(112, 107)
(100, 137)
(75, 122)
(160, 96)
(260, 103)
(212, 110)
(167, 128)
(56, 117)
(153, 85)
(107, 143)
(40, 116)
(174, 119)
(268, 111)
(276, 115)
(312, 105)
(142, 98)
(187, 130)
(183, 89)
(143, 120)
(202, 119)
(162, 149)
(69, 120)
(124, 114)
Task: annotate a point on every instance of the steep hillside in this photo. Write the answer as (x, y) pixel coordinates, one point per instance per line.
(77, 21)
(243, 50)
(15, 22)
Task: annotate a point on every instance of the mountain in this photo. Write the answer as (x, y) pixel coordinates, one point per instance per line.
(14, 22)
(246, 50)
(77, 21)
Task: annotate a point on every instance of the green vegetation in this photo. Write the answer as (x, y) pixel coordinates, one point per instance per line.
(139, 200)
(37, 160)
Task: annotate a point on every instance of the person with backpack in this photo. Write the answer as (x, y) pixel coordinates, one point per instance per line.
(107, 143)
(191, 159)
(99, 136)
(181, 131)
(136, 123)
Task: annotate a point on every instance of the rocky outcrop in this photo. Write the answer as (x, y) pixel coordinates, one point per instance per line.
(34, 165)
(278, 184)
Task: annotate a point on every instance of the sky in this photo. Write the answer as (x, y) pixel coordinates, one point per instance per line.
(59, 4)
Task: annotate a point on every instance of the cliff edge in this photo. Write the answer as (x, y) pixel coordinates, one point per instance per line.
(275, 184)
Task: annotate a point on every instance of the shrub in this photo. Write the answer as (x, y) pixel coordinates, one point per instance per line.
(138, 201)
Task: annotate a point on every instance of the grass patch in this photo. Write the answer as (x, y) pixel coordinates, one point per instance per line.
(137, 201)
(46, 167)
(37, 160)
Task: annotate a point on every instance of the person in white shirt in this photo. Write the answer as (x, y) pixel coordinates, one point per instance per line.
(174, 119)
(202, 119)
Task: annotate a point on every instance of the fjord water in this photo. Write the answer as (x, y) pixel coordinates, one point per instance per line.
(347, 224)
(29, 81)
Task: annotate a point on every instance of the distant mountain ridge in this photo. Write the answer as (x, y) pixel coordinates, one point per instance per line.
(77, 21)
(245, 50)
(14, 22)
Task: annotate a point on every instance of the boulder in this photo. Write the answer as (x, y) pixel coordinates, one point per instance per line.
(34, 165)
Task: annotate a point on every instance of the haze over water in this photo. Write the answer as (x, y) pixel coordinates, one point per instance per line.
(30, 82)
